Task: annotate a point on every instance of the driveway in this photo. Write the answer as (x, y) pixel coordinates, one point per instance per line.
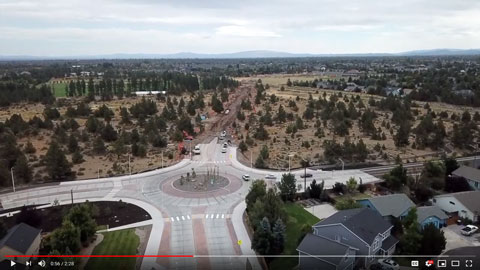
(455, 239)
(322, 211)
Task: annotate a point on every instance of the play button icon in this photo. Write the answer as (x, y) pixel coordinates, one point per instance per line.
(12, 263)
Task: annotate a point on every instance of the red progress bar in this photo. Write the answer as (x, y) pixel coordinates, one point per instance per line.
(99, 256)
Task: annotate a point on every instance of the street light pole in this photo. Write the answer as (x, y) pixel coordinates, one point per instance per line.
(13, 179)
(343, 164)
(162, 159)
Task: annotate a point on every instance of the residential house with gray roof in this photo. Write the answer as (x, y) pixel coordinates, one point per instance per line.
(362, 229)
(472, 175)
(431, 215)
(314, 249)
(462, 204)
(22, 239)
(389, 206)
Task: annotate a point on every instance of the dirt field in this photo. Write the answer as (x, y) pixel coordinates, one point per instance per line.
(279, 151)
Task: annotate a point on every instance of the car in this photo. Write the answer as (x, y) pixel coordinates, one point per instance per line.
(270, 176)
(246, 177)
(224, 150)
(225, 145)
(306, 175)
(223, 133)
(389, 264)
(227, 111)
(469, 230)
(196, 150)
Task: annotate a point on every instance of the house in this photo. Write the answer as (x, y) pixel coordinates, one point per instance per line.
(464, 92)
(22, 239)
(389, 206)
(431, 215)
(353, 87)
(313, 249)
(361, 229)
(463, 204)
(472, 175)
(149, 93)
(393, 91)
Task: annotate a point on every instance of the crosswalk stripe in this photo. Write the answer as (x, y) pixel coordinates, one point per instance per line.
(223, 216)
(172, 219)
(188, 217)
(178, 219)
(218, 215)
(183, 218)
(206, 216)
(211, 216)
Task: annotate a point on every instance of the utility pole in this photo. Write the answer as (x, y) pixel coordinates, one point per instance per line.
(71, 194)
(251, 160)
(162, 158)
(13, 179)
(98, 173)
(305, 164)
(129, 167)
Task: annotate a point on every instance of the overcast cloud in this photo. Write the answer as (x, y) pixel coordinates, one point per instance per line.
(88, 27)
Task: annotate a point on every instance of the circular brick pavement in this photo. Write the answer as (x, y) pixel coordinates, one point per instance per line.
(234, 185)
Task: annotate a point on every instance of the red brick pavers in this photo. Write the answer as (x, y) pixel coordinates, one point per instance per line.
(234, 238)
(201, 247)
(234, 185)
(165, 242)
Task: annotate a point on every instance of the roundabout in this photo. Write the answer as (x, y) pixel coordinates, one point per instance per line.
(197, 206)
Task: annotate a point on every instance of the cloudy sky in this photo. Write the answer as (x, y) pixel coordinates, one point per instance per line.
(92, 27)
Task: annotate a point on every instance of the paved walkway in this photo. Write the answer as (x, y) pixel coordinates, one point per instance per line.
(242, 234)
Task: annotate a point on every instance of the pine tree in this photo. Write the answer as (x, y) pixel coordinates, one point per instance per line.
(57, 165)
(22, 171)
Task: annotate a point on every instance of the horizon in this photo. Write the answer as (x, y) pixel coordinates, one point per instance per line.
(71, 28)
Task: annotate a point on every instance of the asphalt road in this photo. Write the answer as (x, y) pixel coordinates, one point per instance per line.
(207, 225)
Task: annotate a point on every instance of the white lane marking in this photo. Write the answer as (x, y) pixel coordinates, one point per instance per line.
(206, 216)
(211, 216)
(183, 218)
(218, 215)
(188, 217)
(172, 219)
(178, 219)
(223, 216)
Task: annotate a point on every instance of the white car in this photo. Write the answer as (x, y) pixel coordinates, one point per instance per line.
(246, 177)
(223, 134)
(224, 149)
(196, 150)
(469, 230)
(270, 177)
(389, 264)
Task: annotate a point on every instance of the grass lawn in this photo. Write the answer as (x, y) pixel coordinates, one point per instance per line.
(124, 242)
(59, 89)
(297, 217)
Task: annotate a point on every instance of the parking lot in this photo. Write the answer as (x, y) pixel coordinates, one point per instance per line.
(455, 239)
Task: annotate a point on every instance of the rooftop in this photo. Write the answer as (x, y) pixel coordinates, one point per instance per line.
(320, 246)
(364, 222)
(20, 237)
(430, 211)
(470, 199)
(391, 205)
(468, 173)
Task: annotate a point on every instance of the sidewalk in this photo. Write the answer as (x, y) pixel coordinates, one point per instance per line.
(242, 234)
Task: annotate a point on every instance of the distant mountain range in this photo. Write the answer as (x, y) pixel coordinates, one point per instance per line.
(239, 55)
